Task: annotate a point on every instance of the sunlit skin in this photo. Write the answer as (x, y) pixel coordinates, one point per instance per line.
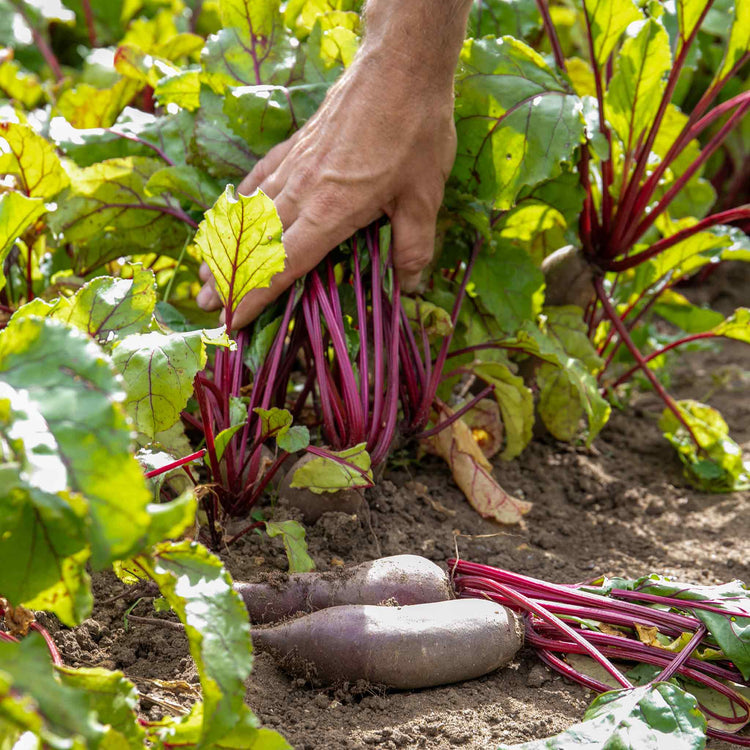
(381, 144)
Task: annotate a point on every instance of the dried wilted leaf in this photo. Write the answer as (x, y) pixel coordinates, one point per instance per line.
(17, 619)
(472, 472)
(648, 635)
(486, 426)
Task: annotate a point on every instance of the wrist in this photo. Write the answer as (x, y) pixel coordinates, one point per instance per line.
(417, 39)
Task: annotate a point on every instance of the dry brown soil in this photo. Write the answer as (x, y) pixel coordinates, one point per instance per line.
(619, 508)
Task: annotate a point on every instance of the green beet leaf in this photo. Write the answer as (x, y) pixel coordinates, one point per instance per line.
(215, 146)
(273, 421)
(293, 536)
(186, 184)
(736, 326)
(266, 115)
(718, 465)
(44, 545)
(181, 88)
(635, 90)
(17, 214)
(277, 423)
(322, 474)
(435, 320)
(158, 369)
(516, 119)
(75, 388)
(107, 213)
(688, 15)
(644, 718)
(199, 590)
(739, 39)
(245, 735)
(259, 17)
(86, 106)
(683, 258)
(240, 240)
(60, 714)
(221, 441)
(17, 83)
(300, 16)
(113, 698)
(560, 406)
(32, 161)
(171, 520)
(509, 286)
(241, 55)
(520, 18)
(516, 404)
(133, 62)
(332, 45)
(608, 20)
(563, 342)
(678, 310)
(106, 308)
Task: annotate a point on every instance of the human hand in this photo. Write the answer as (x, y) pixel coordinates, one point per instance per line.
(382, 143)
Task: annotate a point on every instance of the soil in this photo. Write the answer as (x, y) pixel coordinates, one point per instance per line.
(621, 507)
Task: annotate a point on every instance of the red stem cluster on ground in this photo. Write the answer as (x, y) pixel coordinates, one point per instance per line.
(553, 615)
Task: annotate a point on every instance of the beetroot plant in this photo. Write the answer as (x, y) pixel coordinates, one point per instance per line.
(643, 100)
(646, 222)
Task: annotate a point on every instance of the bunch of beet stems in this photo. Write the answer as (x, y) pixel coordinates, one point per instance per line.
(388, 388)
(553, 615)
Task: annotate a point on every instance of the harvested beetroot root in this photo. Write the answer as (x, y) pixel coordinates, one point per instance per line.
(410, 647)
(569, 278)
(401, 579)
(314, 504)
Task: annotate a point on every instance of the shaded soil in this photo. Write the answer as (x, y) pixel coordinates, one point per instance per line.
(619, 508)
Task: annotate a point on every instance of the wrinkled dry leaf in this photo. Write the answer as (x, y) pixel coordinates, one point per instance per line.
(17, 619)
(648, 635)
(486, 426)
(472, 471)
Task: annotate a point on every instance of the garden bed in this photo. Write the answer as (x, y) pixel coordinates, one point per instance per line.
(620, 508)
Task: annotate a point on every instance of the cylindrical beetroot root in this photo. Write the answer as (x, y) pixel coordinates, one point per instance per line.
(569, 278)
(411, 647)
(401, 579)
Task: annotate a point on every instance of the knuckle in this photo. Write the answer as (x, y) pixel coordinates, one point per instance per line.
(412, 261)
(301, 179)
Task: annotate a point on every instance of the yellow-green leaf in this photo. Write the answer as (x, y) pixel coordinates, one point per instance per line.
(17, 214)
(608, 20)
(19, 85)
(635, 90)
(89, 107)
(516, 404)
(32, 160)
(240, 240)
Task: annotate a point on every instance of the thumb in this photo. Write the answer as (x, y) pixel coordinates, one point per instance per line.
(413, 226)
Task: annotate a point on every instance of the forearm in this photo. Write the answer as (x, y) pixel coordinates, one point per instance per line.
(421, 38)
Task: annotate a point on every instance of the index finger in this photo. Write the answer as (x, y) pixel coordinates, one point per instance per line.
(306, 244)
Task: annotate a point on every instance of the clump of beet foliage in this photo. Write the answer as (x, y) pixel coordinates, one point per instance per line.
(338, 354)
